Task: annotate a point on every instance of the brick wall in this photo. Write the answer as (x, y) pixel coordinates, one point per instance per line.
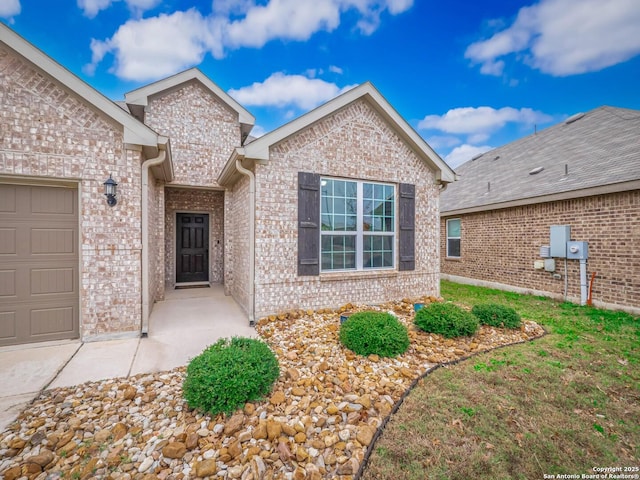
(185, 200)
(501, 246)
(48, 132)
(237, 243)
(354, 143)
(203, 131)
(156, 241)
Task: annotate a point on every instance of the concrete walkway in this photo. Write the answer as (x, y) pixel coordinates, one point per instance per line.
(180, 327)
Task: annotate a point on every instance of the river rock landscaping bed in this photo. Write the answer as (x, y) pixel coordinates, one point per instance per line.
(318, 422)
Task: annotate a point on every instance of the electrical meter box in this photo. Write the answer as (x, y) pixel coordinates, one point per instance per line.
(559, 236)
(577, 250)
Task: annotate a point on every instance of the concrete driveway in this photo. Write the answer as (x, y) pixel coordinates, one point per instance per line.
(180, 327)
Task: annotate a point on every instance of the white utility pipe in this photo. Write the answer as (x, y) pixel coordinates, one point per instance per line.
(145, 237)
(252, 238)
(583, 281)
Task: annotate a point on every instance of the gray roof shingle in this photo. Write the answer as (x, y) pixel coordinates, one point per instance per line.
(602, 147)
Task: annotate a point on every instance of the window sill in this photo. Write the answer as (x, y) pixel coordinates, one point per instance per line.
(453, 259)
(359, 275)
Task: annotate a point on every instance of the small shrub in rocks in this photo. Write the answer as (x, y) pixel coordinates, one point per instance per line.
(371, 332)
(496, 315)
(446, 319)
(230, 373)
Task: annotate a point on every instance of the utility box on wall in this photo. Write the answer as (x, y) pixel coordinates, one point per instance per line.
(559, 236)
(577, 250)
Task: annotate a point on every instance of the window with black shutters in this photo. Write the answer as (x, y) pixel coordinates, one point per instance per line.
(348, 224)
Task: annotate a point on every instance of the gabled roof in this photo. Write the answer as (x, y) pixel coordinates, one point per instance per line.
(588, 154)
(135, 132)
(140, 96)
(258, 149)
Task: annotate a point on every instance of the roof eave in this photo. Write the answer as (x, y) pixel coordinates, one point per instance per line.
(141, 95)
(567, 195)
(135, 132)
(259, 148)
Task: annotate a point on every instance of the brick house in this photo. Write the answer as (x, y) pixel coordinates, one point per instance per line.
(317, 213)
(584, 173)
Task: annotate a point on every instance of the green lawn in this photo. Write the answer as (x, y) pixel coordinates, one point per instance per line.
(563, 404)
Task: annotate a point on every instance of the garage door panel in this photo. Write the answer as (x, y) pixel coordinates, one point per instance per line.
(52, 241)
(39, 283)
(8, 201)
(52, 201)
(8, 327)
(49, 321)
(49, 281)
(8, 241)
(7, 283)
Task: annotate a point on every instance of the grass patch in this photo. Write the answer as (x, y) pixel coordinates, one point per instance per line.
(562, 404)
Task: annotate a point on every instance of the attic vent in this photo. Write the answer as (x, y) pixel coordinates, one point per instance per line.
(536, 170)
(497, 157)
(475, 157)
(573, 118)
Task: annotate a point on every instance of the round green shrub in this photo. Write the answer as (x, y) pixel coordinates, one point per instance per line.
(230, 373)
(378, 333)
(446, 319)
(496, 315)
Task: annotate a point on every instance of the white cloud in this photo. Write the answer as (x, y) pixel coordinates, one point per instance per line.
(438, 142)
(182, 39)
(335, 69)
(565, 37)
(282, 90)
(464, 153)
(91, 8)
(9, 8)
(481, 120)
(257, 131)
(158, 46)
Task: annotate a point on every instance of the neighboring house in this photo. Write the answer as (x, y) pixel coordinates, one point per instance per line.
(584, 173)
(340, 205)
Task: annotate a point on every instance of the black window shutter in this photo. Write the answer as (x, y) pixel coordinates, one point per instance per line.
(407, 227)
(308, 224)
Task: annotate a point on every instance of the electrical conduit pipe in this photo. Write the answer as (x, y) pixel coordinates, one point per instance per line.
(145, 237)
(252, 238)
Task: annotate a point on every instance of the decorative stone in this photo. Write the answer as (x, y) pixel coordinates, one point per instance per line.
(206, 468)
(277, 398)
(44, 458)
(174, 450)
(234, 424)
(365, 435)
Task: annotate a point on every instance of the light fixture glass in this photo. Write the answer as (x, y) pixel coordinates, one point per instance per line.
(110, 191)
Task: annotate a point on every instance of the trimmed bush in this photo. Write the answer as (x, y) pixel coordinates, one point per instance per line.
(496, 315)
(370, 332)
(446, 319)
(230, 373)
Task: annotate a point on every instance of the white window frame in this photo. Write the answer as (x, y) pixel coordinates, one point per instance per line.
(454, 238)
(359, 232)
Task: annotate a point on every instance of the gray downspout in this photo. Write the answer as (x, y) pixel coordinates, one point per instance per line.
(252, 239)
(145, 237)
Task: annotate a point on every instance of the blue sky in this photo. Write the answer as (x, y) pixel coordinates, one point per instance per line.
(467, 75)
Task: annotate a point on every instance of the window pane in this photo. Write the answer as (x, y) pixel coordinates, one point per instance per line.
(338, 252)
(377, 251)
(379, 208)
(338, 204)
(453, 228)
(453, 247)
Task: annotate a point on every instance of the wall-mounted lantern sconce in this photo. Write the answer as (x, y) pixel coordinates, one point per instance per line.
(110, 191)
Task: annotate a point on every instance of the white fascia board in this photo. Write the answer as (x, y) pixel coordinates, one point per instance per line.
(134, 131)
(259, 148)
(141, 95)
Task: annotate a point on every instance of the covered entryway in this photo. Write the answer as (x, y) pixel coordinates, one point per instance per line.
(38, 263)
(192, 247)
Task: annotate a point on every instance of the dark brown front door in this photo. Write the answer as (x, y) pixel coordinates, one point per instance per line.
(192, 247)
